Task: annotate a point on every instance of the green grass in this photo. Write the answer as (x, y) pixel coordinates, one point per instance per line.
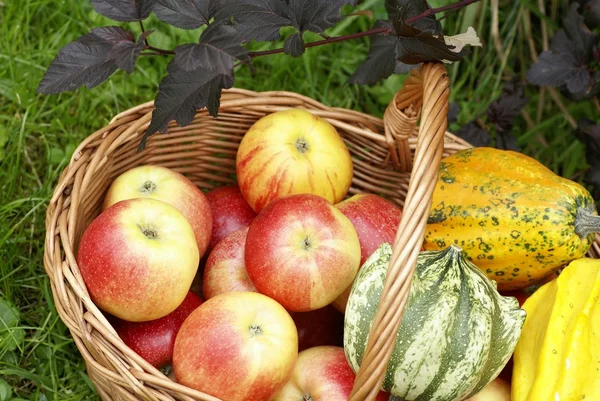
(38, 134)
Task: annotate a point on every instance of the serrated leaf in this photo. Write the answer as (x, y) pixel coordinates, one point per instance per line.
(505, 140)
(294, 45)
(185, 14)
(505, 109)
(123, 10)
(583, 39)
(5, 391)
(125, 53)
(219, 47)
(89, 61)
(412, 8)
(381, 61)
(258, 20)
(11, 336)
(316, 15)
(196, 77)
(474, 134)
(558, 69)
(402, 68)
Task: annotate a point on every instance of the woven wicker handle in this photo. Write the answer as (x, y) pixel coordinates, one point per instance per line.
(426, 87)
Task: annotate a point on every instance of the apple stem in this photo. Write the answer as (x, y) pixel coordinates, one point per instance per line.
(148, 187)
(306, 243)
(150, 234)
(301, 145)
(255, 330)
(306, 397)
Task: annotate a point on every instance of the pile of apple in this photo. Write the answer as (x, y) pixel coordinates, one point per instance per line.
(241, 290)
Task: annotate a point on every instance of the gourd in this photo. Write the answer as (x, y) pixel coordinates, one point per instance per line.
(456, 334)
(514, 218)
(558, 354)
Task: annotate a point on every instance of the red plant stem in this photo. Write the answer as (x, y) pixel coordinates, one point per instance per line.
(370, 32)
(425, 14)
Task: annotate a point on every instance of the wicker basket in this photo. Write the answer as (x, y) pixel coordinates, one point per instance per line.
(391, 158)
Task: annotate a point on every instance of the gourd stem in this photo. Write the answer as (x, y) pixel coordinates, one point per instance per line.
(586, 222)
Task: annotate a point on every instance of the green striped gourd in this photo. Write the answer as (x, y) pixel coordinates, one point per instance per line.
(457, 332)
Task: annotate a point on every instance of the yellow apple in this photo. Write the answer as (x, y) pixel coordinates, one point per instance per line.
(164, 184)
(292, 152)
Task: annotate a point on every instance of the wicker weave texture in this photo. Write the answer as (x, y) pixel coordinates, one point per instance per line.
(392, 158)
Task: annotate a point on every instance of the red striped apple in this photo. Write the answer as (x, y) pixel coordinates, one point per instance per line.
(376, 221)
(154, 340)
(166, 185)
(237, 346)
(292, 152)
(225, 269)
(321, 374)
(230, 212)
(302, 252)
(138, 259)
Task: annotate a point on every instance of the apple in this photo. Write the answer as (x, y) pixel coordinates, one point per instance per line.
(230, 212)
(236, 346)
(138, 259)
(166, 185)
(225, 269)
(154, 340)
(302, 252)
(321, 374)
(496, 390)
(324, 326)
(292, 152)
(376, 221)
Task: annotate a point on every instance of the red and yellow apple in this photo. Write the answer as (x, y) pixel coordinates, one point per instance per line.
(302, 252)
(237, 346)
(166, 185)
(138, 259)
(376, 221)
(292, 152)
(324, 326)
(154, 340)
(230, 212)
(321, 374)
(496, 390)
(225, 269)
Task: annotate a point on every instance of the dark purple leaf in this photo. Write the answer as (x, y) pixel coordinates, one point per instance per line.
(185, 14)
(316, 15)
(182, 92)
(262, 19)
(505, 109)
(558, 69)
(125, 53)
(219, 47)
(196, 77)
(258, 20)
(381, 61)
(294, 46)
(474, 134)
(402, 68)
(124, 10)
(412, 8)
(505, 140)
(90, 60)
(561, 43)
(582, 38)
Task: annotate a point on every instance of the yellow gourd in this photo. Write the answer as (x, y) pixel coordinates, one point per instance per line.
(557, 357)
(514, 218)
